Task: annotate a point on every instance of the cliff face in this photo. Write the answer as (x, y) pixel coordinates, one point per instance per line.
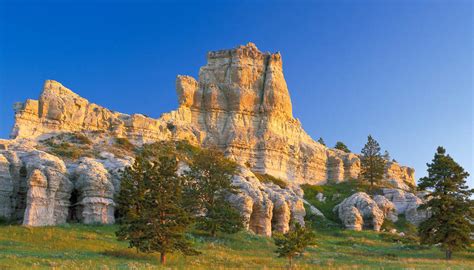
(240, 103)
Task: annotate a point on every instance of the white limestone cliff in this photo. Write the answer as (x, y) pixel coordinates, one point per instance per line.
(240, 103)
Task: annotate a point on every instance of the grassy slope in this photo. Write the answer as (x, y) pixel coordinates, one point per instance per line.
(95, 247)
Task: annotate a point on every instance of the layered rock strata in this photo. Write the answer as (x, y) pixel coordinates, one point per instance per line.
(240, 103)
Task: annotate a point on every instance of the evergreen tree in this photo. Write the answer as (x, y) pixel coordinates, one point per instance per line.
(294, 242)
(450, 206)
(386, 156)
(209, 185)
(321, 141)
(372, 163)
(342, 146)
(153, 217)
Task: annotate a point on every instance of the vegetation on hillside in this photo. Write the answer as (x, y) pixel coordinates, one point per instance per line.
(293, 243)
(124, 144)
(266, 178)
(95, 247)
(68, 145)
(334, 194)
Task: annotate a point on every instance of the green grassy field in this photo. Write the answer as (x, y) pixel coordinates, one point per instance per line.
(95, 247)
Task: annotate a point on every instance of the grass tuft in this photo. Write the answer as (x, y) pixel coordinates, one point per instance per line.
(266, 178)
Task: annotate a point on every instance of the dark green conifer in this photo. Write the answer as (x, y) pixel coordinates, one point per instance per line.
(372, 162)
(321, 141)
(209, 186)
(341, 146)
(153, 217)
(450, 205)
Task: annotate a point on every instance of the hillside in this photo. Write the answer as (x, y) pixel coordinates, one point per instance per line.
(95, 247)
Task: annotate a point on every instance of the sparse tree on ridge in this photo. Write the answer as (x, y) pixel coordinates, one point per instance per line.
(386, 156)
(372, 162)
(321, 141)
(294, 242)
(153, 217)
(341, 146)
(450, 205)
(209, 183)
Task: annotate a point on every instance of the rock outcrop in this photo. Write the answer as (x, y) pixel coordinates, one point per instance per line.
(94, 191)
(240, 104)
(265, 206)
(359, 211)
(35, 187)
(407, 204)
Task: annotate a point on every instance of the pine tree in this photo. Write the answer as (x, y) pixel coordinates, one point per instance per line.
(153, 217)
(321, 141)
(372, 163)
(341, 146)
(450, 205)
(209, 184)
(294, 242)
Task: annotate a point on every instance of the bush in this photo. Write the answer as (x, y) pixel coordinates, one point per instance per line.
(66, 150)
(80, 138)
(266, 178)
(125, 144)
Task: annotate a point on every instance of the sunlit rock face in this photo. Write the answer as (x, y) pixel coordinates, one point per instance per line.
(240, 103)
(35, 187)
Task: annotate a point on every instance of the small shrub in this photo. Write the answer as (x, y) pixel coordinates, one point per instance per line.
(125, 144)
(80, 138)
(266, 178)
(170, 126)
(66, 150)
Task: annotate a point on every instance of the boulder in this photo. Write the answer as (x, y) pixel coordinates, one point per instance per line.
(407, 203)
(387, 207)
(360, 205)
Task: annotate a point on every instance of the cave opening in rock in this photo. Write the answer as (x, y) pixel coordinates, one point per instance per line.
(253, 222)
(278, 220)
(368, 223)
(73, 207)
(21, 191)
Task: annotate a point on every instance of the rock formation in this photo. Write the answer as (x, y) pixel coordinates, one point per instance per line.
(407, 204)
(359, 211)
(240, 103)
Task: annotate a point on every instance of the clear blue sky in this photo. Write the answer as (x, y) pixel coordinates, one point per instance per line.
(399, 70)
